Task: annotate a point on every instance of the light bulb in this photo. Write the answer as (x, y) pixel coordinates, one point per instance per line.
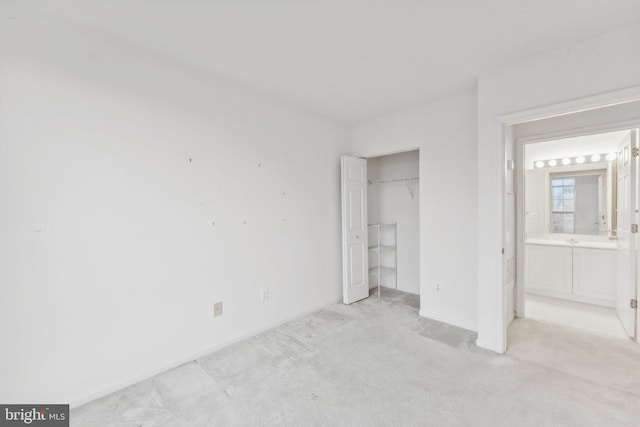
(552, 163)
(595, 157)
(580, 160)
(566, 161)
(539, 164)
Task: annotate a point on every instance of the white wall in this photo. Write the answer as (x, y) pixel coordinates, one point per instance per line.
(445, 132)
(135, 194)
(580, 76)
(534, 204)
(396, 202)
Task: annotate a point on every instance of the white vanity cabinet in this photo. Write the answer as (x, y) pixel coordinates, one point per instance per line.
(594, 274)
(575, 273)
(549, 269)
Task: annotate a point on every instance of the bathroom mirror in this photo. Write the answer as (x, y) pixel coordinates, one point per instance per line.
(579, 202)
(570, 187)
(571, 200)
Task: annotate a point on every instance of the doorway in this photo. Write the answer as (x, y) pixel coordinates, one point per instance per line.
(572, 268)
(380, 223)
(603, 120)
(393, 218)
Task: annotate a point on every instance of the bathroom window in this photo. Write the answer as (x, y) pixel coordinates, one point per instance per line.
(563, 200)
(578, 203)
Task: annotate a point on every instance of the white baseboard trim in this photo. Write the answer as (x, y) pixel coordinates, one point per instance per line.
(187, 359)
(449, 321)
(489, 346)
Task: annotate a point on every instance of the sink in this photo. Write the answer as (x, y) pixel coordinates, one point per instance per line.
(573, 243)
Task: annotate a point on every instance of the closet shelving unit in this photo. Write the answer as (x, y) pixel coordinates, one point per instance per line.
(379, 248)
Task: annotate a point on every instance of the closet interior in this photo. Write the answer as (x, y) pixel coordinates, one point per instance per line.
(393, 218)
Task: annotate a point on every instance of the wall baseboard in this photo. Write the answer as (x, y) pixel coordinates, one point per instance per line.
(488, 346)
(449, 321)
(188, 359)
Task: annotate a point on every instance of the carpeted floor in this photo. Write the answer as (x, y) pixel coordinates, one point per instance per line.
(611, 362)
(376, 363)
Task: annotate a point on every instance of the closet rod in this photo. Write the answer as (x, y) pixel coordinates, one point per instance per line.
(384, 181)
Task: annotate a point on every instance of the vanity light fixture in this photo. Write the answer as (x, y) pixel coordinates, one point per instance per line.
(578, 160)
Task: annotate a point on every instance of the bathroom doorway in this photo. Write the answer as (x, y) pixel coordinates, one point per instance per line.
(573, 262)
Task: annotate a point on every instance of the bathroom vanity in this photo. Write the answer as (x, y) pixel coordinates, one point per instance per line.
(569, 215)
(573, 268)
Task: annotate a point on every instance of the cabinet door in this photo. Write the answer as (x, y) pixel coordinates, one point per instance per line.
(548, 269)
(594, 273)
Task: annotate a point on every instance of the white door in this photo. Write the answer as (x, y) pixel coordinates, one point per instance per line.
(355, 261)
(627, 239)
(509, 236)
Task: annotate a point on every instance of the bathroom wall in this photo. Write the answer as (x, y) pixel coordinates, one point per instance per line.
(535, 206)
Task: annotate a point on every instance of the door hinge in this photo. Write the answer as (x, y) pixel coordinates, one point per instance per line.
(634, 303)
(634, 228)
(635, 151)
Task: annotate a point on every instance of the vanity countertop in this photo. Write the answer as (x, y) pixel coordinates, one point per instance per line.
(573, 243)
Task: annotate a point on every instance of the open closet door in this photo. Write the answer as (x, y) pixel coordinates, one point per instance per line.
(627, 232)
(355, 262)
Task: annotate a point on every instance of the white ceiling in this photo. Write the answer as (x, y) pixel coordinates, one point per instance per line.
(348, 59)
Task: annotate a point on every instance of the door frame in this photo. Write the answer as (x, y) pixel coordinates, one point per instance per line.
(501, 123)
(420, 224)
(391, 153)
(519, 145)
(492, 325)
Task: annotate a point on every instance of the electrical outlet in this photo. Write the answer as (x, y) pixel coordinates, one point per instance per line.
(217, 309)
(438, 288)
(264, 295)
